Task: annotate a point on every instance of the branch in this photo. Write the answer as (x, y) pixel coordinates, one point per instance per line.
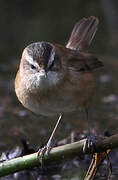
(57, 154)
(97, 159)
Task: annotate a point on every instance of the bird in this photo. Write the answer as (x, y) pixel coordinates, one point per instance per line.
(54, 79)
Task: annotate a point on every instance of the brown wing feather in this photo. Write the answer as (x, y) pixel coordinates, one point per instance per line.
(88, 63)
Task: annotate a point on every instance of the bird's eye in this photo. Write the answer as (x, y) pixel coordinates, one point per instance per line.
(32, 66)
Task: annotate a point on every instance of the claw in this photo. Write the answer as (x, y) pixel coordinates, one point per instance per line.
(85, 146)
(44, 151)
(90, 144)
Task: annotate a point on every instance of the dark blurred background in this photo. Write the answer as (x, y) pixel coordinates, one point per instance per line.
(23, 22)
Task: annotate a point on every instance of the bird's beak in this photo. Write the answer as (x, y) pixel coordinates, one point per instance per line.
(43, 72)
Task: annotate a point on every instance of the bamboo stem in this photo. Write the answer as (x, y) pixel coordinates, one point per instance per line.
(57, 154)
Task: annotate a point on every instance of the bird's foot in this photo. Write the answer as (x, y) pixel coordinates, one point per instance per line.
(44, 151)
(90, 143)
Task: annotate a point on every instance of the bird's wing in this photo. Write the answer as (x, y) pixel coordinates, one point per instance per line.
(84, 64)
(83, 34)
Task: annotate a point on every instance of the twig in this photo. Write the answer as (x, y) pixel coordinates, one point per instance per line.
(97, 159)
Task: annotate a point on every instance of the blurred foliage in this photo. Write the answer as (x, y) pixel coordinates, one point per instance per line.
(26, 21)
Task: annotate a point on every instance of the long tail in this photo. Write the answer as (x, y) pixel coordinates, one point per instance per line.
(83, 34)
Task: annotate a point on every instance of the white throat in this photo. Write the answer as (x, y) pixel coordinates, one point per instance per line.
(43, 82)
(51, 80)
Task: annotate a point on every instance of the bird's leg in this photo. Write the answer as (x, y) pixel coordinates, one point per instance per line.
(46, 149)
(90, 143)
(89, 123)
